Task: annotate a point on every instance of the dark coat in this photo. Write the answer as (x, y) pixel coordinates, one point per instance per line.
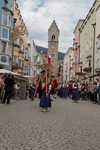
(9, 83)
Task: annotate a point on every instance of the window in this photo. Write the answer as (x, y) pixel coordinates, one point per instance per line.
(66, 77)
(75, 58)
(71, 75)
(89, 63)
(91, 42)
(98, 44)
(53, 37)
(4, 45)
(98, 63)
(34, 72)
(15, 60)
(5, 33)
(6, 19)
(20, 63)
(66, 68)
(80, 68)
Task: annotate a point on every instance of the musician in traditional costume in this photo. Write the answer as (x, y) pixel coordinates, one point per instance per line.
(32, 90)
(45, 100)
(75, 93)
(54, 87)
(40, 81)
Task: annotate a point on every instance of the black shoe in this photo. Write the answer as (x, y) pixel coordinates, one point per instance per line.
(3, 102)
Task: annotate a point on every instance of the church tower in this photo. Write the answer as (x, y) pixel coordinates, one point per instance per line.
(53, 41)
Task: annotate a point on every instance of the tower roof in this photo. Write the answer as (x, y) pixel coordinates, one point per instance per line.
(54, 24)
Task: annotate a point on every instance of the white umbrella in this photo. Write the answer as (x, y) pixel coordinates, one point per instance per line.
(4, 71)
(8, 71)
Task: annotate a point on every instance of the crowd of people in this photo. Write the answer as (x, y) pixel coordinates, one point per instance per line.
(47, 89)
(50, 89)
(86, 91)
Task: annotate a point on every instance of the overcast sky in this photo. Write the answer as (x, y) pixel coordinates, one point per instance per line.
(38, 16)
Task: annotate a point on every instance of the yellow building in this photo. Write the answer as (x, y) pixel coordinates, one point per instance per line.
(20, 59)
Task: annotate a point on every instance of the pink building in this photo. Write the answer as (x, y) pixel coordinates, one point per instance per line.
(76, 48)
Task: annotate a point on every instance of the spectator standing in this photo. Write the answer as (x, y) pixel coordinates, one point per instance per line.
(9, 85)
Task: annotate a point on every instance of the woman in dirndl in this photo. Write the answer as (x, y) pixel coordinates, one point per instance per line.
(75, 93)
(45, 100)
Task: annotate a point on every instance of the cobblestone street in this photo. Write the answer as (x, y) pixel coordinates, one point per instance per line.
(67, 126)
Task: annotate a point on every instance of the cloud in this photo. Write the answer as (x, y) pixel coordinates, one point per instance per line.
(38, 16)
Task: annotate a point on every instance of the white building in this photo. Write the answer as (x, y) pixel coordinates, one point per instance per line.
(97, 36)
(36, 59)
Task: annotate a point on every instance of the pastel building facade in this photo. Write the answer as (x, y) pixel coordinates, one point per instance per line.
(6, 24)
(76, 51)
(97, 41)
(20, 57)
(87, 42)
(67, 65)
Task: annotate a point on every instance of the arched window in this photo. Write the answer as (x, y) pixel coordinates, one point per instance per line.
(53, 37)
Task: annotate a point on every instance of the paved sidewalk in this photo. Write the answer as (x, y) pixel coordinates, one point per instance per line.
(67, 126)
(11, 101)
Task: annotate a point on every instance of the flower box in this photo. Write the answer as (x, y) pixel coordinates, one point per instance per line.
(87, 69)
(79, 73)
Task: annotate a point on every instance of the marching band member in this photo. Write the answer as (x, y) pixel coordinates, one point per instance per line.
(54, 87)
(40, 82)
(45, 100)
(75, 93)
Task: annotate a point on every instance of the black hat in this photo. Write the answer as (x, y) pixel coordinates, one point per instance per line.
(43, 71)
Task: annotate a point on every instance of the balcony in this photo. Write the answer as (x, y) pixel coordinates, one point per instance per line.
(71, 67)
(16, 44)
(26, 58)
(87, 69)
(75, 46)
(21, 51)
(15, 65)
(4, 60)
(97, 69)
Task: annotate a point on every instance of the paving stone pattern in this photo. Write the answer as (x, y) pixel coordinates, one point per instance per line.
(66, 126)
